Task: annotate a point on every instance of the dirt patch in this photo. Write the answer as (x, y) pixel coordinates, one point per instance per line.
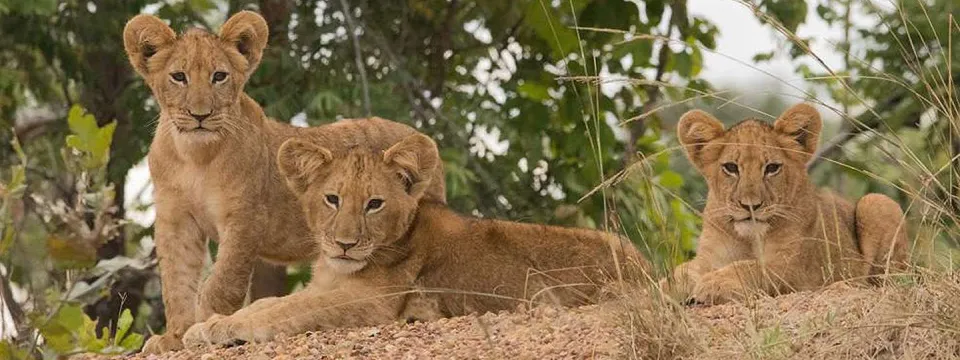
(837, 322)
(535, 334)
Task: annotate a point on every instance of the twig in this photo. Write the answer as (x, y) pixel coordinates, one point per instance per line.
(6, 295)
(358, 56)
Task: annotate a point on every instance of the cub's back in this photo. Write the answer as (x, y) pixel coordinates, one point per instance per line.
(514, 262)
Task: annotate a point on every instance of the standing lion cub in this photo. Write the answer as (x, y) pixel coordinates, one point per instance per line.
(385, 255)
(766, 228)
(213, 165)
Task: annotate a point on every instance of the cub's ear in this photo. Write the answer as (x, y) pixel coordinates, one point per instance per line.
(143, 37)
(802, 124)
(248, 32)
(695, 129)
(300, 161)
(417, 157)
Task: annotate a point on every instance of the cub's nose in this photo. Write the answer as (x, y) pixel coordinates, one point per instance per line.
(751, 207)
(199, 117)
(346, 245)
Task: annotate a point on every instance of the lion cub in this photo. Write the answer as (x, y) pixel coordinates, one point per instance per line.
(382, 255)
(766, 228)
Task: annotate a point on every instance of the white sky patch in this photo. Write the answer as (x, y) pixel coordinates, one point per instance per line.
(138, 191)
(479, 32)
(619, 132)
(487, 144)
(299, 120)
(611, 84)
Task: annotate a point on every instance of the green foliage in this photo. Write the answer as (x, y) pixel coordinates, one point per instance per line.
(88, 138)
(11, 191)
(69, 330)
(901, 71)
(545, 111)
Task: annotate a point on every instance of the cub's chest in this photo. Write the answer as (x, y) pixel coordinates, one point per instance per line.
(195, 188)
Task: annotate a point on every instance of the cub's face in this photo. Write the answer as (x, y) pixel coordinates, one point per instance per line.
(197, 77)
(753, 170)
(359, 203)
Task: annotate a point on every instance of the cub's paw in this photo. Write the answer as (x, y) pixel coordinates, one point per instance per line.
(162, 343)
(714, 288)
(229, 331)
(676, 289)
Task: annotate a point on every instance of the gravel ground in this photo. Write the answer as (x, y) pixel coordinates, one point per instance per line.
(837, 322)
(541, 333)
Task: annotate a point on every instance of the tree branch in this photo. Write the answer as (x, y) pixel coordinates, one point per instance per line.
(6, 296)
(653, 93)
(864, 122)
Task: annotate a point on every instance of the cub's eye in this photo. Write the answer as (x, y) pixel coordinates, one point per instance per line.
(772, 169)
(219, 76)
(179, 76)
(332, 200)
(730, 168)
(374, 205)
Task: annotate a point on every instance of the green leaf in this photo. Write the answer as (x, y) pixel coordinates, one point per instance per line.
(533, 90)
(546, 24)
(70, 316)
(123, 325)
(761, 57)
(11, 351)
(132, 342)
(696, 62)
(655, 10)
(93, 141)
(671, 180)
(640, 49)
(59, 332)
(81, 124)
(683, 64)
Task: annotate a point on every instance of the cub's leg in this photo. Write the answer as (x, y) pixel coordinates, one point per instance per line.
(882, 235)
(224, 291)
(744, 278)
(181, 251)
(685, 276)
(240, 234)
(303, 311)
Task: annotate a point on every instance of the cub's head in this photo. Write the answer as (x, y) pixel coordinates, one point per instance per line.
(754, 171)
(359, 203)
(198, 76)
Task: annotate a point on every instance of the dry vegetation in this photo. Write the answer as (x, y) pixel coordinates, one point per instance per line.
(910, 320)
(904, 321)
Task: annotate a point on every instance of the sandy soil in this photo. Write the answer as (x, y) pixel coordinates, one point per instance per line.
(838, 322)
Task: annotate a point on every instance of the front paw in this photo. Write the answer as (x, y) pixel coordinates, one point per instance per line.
(715, 288)
(227, 330)
(157, 344)
(199, 334)
(678, 289)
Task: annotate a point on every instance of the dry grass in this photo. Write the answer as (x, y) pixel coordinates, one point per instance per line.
(919, 320)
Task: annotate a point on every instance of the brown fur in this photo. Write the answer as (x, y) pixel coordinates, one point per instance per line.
(423, 261)
(216, 178)
(771, 230)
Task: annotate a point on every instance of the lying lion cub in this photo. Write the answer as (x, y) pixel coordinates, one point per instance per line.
(766, 228)
(383, 256)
